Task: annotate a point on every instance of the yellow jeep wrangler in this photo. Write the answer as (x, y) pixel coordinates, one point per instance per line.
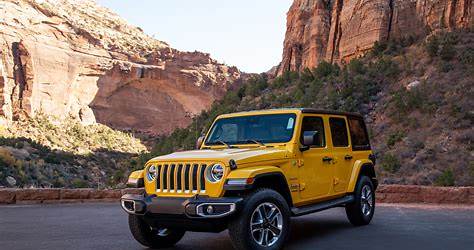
(251, 173)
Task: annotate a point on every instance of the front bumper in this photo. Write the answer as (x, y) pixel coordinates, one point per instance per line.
(195, 207)
(190, 214)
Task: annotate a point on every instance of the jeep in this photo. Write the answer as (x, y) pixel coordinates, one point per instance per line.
(251, 173)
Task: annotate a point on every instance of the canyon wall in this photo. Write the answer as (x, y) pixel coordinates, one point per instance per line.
(339, 30)
(75, 58)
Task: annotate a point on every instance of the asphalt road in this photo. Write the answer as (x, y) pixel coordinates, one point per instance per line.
(104, 226)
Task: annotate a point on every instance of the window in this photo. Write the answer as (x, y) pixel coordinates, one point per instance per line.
(314, 124)
(359, 137)
(274, 128)
(339, 132)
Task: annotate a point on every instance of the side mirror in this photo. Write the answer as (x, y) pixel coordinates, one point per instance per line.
(199, 142)
(309, 139)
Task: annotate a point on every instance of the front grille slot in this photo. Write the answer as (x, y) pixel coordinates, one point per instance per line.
(179, 178)
(195, 177)
(172, 176)
(182, 178)
(165, 177)
(158, 177)
(203, 180)
(186, 177)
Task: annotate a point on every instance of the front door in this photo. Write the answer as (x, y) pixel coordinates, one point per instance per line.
(315, 171)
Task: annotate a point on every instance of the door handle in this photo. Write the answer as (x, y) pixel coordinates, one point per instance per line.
(327, 159)
(348, 157)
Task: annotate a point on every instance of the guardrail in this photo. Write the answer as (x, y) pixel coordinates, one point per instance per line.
(385, 194)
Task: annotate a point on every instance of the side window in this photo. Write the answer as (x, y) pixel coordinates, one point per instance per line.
(359, 137)
(339, 132)
(311, 123)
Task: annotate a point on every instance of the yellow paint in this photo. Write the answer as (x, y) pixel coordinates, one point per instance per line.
(139, 174)
(309, 179)
(355, 173)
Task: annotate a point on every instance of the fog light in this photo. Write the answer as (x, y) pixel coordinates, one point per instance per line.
(210, 210)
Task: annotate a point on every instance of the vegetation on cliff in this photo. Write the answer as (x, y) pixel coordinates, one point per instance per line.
(47, 152)
(416, 95)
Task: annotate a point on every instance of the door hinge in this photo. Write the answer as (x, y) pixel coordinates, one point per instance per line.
(295, 187)
(300, 163)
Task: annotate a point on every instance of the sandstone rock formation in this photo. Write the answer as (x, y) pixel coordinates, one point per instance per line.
(76, 58)
(339, 30)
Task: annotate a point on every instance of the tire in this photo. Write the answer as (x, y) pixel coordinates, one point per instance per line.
(361, 211)
(153, 238)
(248, 229)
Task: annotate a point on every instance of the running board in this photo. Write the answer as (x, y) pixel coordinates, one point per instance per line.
(299, 211)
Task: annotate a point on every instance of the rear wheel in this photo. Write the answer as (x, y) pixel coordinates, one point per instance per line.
(153, 237)
(361, 211)
(264, 222)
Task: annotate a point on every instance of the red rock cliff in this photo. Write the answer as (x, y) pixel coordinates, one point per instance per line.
(338, 30)
(76, 58)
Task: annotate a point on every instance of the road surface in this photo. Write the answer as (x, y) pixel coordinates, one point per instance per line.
(104, 226)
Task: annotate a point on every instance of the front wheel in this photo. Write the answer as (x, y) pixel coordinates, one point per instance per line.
(361, 211)
(264, 222)
(153, 237)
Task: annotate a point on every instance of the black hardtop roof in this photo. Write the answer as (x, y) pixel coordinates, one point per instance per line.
(328, 112)
(304, 111)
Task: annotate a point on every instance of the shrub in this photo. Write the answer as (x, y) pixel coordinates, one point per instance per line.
(79, 183)
(356, 66)
(445, 66)
(395, 137)
(432, 46)
(467, 56)
(390, 163)
(324, 69)
(447, 51)
(379, 48)
(446, 178)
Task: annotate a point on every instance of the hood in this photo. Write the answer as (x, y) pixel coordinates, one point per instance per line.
(240, 155)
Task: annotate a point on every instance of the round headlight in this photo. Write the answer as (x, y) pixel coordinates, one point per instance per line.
(151, 173)
(215, 173)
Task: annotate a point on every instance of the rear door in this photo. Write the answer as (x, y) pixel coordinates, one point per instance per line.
(342, 154)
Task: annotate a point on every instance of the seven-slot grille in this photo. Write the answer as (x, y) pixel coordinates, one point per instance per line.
(181, 177)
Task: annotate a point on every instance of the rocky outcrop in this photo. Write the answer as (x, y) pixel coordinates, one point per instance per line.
(339, 30)
(75, 58)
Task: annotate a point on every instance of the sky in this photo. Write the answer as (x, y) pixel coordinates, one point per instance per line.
(248, 34)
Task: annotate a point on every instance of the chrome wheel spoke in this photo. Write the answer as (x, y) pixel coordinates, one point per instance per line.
(264, 237)
(273, 215)
(262, 212)
(275, 230)
(257, 227)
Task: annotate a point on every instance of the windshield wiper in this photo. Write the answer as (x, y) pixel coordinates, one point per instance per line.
(223, 143)
(256, 142)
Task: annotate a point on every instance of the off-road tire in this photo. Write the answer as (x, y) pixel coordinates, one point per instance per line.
(354, 210)
(149, 237)
(239, 227)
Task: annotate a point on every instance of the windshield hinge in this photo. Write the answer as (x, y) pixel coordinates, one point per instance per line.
(300, 162)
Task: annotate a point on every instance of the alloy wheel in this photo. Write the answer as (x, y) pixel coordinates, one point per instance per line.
(266, 224)
(367, 200)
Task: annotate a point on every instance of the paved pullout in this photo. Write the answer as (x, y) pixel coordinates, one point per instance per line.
(104, 226)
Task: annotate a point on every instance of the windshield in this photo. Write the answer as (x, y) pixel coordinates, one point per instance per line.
(273, 128)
